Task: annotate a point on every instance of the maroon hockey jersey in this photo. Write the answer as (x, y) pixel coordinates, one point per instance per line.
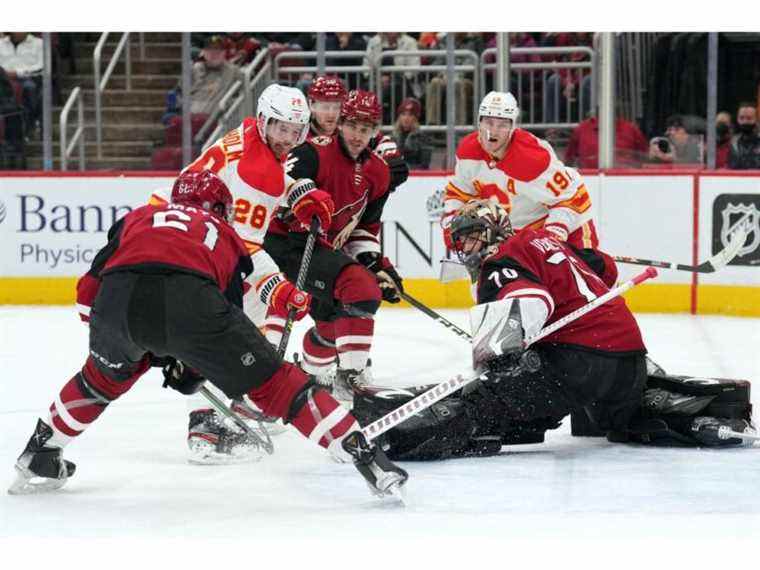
(170, 237)
(531, 264)
(359, 190)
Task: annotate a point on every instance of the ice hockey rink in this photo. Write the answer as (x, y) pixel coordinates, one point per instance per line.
(133, 481)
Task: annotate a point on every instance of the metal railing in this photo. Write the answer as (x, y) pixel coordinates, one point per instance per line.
(424, 75)
(352, 75)
(100, 84)
(537, 91)
(237, 102)
(78, 137)
(633, 66)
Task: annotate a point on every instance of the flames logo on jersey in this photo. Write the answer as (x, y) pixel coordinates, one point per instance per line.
(493, 192)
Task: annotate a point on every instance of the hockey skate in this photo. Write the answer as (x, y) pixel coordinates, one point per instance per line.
(383, 478)
(211, 442)
(723, 432)
(347, 382)
(40, 468)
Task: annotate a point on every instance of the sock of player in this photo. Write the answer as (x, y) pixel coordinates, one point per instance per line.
(81, 401)
(357, 290)
(353, 340)
(319, 352)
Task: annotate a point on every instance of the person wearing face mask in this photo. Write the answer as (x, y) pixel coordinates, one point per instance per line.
(509, 166)
(723, 132)
(744, 153)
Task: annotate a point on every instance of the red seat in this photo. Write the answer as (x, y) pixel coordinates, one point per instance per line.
(167, 158)
(174, 128)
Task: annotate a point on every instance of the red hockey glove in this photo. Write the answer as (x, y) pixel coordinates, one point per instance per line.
(390, 282)
(317, 203)
(285, 296)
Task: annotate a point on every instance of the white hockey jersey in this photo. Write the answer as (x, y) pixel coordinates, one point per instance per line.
(258, 183)
(535, 187)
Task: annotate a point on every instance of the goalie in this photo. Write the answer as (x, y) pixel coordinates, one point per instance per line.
(594, 368)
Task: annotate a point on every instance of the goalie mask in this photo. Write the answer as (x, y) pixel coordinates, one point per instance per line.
(476, 227)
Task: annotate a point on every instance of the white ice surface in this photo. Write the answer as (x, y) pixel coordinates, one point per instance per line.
(134, 483)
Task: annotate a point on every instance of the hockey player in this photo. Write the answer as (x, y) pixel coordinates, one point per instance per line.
(250, 160)
(348, 276)
(168, 285)
(326, 94)
(511, 167)
(594, 366)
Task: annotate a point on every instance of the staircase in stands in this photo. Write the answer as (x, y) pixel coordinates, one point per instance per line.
(131, 118)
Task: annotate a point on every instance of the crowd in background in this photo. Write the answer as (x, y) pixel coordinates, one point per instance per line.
(416, 100)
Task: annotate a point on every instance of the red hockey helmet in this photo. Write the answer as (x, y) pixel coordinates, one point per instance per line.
(204, 190)
(361, 106)
(327, 88)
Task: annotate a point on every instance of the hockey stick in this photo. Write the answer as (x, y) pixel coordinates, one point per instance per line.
(440, 391)
(719, 260)
(224, 410)
(435, 316)
(725, 433)
(308, 251)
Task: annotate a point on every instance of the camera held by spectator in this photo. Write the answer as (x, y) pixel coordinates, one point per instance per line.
(677, 146)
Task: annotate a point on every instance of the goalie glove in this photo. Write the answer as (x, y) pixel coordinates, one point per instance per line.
(390, 282)
(180, 377)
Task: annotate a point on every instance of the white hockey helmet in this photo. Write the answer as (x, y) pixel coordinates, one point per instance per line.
(499, 104)
(284, 104)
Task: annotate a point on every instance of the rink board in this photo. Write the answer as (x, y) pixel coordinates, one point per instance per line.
(52, 224)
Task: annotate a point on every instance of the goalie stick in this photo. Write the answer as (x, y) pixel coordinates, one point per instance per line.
(738, 236)
(440, 391)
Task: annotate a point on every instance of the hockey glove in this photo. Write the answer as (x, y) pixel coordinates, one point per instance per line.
(285, 296)
(317, 203)
(388, 150)
(181, 378)
(390, 282)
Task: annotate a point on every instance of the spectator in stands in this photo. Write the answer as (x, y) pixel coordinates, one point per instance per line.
(516, 40)
(239, 48)
(212, 77)
(11, 125)
(571, 86)
(723, 133)
(745, 145)
(347, 41)
(411, 141)
(678, 146)
(21, 57)
(583, 149)
(435, 90)
(387, 41)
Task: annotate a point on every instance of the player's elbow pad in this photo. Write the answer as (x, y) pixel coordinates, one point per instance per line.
(500, 327)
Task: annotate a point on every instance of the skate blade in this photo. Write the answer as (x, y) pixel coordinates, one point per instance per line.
(398, 492)
(25, 483)
(202, 453)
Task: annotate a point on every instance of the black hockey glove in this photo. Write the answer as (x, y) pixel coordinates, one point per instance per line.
(391, 283)
(182, 378)
(399, 170)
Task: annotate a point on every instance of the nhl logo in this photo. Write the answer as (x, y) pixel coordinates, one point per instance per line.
(729, 212)
(741, 212)
(247, 359)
